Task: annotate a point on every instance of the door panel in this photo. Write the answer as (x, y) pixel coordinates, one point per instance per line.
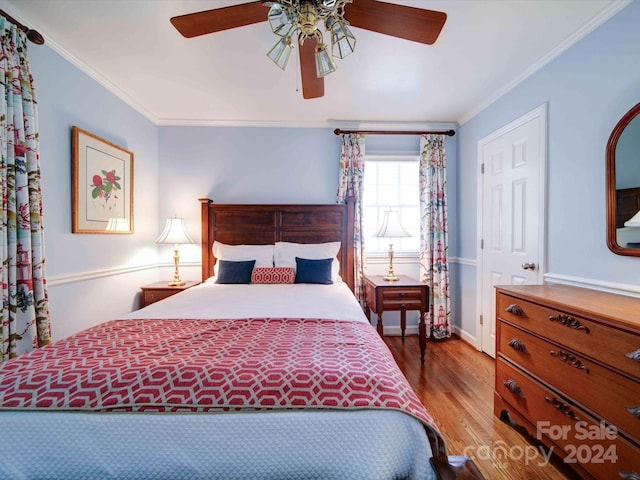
(511, 215)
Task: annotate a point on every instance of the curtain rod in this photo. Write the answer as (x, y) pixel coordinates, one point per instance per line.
(32, 35)
(450, 133)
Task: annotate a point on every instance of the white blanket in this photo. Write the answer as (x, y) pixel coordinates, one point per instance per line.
(212, 300)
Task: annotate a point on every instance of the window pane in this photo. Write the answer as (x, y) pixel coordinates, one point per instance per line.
(390, 183)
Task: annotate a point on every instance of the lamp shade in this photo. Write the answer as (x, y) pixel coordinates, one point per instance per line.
(391, 226)
(281, 52)
(324, 62)
(633, 221)
(174, 232)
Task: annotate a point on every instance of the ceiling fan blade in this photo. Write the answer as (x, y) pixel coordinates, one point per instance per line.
(312, 85)
(410, 23)
(210, 21)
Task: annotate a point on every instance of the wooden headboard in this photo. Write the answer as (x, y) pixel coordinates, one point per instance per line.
(266, 224)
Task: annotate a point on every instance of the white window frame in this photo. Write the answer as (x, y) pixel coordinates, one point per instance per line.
(405, 256)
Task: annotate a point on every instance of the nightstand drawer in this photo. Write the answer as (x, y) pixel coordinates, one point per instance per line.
(405, 293)
(160, 290)
(151, 296)
(400, 304)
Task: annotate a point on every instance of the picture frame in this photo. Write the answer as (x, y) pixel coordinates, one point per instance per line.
(102, 185)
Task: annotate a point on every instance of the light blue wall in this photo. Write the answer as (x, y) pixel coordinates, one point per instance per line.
(262, 165)
(587, 89)
(66, 97)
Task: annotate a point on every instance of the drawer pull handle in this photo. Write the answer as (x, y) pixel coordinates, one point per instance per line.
(513, 387)
(518, 346)
(516, 310)
(629, 475)
(403, 294)
(569, 359)
(634, 355)
(635, 411)
(563, 407)
(568, 321)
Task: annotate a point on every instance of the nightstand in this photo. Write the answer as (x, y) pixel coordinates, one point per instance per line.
(157, 291)
(402, 295)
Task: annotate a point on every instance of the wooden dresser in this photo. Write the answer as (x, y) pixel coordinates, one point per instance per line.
(568, 370)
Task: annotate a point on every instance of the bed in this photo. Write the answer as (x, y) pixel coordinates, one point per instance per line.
(231, 381)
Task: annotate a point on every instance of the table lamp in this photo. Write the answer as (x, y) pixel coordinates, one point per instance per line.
(176, 233)
(391, 228)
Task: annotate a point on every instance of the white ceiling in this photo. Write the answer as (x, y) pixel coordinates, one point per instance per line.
(485, 48)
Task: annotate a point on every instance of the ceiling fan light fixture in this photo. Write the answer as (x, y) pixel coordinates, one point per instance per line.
(328, 4)
(281, 52)
(324, 63)
(280, 20)
(307, 17)
(343, 42)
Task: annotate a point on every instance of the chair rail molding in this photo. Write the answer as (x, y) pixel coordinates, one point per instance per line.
(56, 280)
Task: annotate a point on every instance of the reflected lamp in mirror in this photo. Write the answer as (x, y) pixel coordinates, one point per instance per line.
(175, 232)
(391, 228)
(633, 221)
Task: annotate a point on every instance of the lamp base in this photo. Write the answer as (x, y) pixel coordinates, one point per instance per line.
(390, 278)
(176, 283)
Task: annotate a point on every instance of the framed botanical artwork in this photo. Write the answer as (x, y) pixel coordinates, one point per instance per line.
(102, 185)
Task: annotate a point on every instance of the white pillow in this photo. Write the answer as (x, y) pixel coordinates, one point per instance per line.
(262, 254)
(285, 253)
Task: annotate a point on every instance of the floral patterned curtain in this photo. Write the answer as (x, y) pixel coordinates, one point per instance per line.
(351, 183)
(434, 262)
(25, 309)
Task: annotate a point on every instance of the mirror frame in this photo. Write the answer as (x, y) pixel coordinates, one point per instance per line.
(612, 240)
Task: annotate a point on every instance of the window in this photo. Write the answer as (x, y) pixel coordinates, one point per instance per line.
(391, 182)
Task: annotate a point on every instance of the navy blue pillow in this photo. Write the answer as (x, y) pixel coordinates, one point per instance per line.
(235, 272)
(313, 271)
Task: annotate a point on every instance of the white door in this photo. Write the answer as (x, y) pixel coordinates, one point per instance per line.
(510, 214)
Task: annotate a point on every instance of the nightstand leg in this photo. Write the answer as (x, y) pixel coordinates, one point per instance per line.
(380, 326)
(422, 336)
(367, 312)
(403, 322)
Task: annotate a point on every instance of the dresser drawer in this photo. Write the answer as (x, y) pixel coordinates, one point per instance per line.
(585, 441)
(610, 345)
(574, 375)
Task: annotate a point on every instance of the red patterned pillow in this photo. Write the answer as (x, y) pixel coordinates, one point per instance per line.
(273, 275)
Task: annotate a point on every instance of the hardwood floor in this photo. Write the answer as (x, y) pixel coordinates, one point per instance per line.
(456, 385)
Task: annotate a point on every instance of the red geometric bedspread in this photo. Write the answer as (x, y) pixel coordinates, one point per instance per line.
(167, 365)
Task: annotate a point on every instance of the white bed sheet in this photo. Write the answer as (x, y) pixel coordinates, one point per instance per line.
(213, 300)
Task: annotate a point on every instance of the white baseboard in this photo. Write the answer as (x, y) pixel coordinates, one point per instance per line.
(467, 337)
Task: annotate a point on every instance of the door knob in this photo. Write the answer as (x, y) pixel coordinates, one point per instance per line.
(528, 266)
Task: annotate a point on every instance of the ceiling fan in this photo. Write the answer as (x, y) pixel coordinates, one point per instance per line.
(299, 21)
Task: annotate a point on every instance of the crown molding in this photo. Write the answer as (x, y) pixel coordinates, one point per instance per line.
(604, 15)
(342, 124)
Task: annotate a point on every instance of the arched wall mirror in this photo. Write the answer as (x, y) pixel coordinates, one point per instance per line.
(623, 185)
